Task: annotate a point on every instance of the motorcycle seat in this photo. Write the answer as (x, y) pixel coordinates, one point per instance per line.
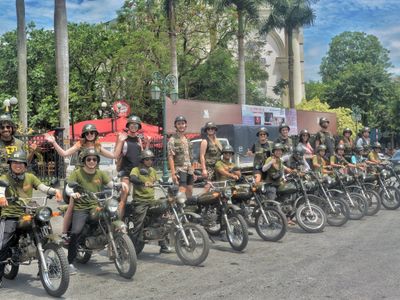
(193, 200)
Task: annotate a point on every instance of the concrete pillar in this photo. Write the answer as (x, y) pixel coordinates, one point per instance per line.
(297, 80)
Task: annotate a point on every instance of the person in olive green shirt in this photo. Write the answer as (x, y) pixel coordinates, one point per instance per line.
(373, 156)
(144, 177)
(20, 186)
(319, 163)
(223, 167)
(90, 179)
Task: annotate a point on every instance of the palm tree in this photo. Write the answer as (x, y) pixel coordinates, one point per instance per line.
(22, 64)
(289, 15)
(247, 11)
(62, 62)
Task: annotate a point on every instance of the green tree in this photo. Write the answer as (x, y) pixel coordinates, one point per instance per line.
(289, 15)
(315, 89)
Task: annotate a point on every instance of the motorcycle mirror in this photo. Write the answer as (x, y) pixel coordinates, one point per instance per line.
(4, 184)
(144, 172)
(120, 174)
(53, 182)
(73, 184)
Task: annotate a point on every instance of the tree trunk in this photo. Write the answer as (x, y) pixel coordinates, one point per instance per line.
(241, 61)
(22, 65)
(172, 40)
(290, 62)
(62, 62)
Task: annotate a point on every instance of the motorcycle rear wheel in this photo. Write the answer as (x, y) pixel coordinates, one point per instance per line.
(392, 201)
(311, 218)
(57, 265)
(374, 202)
(276, 227)
(11, 271)
(359, 208)
(198, 240)
(127, 263)
(239, 237)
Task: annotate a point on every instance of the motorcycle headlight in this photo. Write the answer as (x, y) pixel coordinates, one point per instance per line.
(263, 188)
(363, 175)
(328, 180)
(385, 173)
(112, 206)
(181, 198)
(44, 214)
(228, 192)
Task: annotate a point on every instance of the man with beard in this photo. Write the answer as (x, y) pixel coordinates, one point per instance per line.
(127, 150)
(180, 157)
(8, 143)
(324, 137)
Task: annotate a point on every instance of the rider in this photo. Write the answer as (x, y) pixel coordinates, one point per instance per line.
(127, 150)
(90, 178)
(180, 154)
(304, 142)
(21, 185)
(144, 195)
(373, 156)
(297, 160)
(223, 167)
(348, 143)
(261, 151)
(364, 140)
(319, 162)
(324, 137)
(338, 159)
(284, 138)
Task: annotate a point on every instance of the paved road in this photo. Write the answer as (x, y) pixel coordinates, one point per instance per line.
(358, 261)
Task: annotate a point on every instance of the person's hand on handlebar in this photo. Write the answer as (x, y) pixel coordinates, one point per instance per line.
(3, 202)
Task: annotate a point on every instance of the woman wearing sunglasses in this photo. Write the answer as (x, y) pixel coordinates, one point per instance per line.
(89, 140)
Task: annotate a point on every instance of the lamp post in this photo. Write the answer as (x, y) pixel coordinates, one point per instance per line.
(356, 114)
(160, 88)
(9, 102)
(111, 112)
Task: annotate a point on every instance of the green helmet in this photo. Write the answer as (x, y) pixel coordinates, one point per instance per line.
(359, 149)
(6, 118)
(323, 120)
(321, 147)
(146, 154)
(278, 146)
(89, 128)
(18, 156)
(135, 120)
(180, 119)
(88, 152)
(228, 149)
(347, 129)
(377, 145)
(304, 131)
(299, 150)
(210, 125)
(340, 147)
(365, 129)
(263, 130)
(284, 125)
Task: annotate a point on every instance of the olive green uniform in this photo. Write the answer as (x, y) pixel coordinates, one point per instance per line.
(317, 159)
(223, 165)
(262, 152)
(213, 154)
(373, 156)
(8, 148)
(326, 138)
(142, 193)
(287, 144)
(335, 159)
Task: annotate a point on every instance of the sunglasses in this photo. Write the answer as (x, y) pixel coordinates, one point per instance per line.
(212, 128)
(230, 153)
(91, 132)
(148, 158)
(89, 159)
(6, 127)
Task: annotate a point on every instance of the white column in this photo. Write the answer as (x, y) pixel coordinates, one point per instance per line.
(297, 81)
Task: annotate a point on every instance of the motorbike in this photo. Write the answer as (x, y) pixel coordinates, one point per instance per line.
(269, 220)
(389, 193)
(35, 239)
(219, 214)
(296, 199)
(104, 229)
(168, 220)
(336, 209)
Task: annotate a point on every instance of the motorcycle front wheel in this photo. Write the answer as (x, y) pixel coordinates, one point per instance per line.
(311, 218)
(274, 228)
(359, 208)
(238, 237)
(374, 202)
(392, 200)
(11, 271)
(339, 215)
(125, 256)
(198, 247)
(56, 280)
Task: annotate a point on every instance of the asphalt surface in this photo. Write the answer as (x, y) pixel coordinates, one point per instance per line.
(357, 261)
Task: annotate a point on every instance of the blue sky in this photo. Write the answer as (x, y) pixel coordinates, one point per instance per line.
(378, 17)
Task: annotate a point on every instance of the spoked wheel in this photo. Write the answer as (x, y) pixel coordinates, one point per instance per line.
(340, 213)
(249, 215)
(56, 279)
(274, 227)
(311, 217)
(359, 207)
(198, 247)
(11, 271)
(238, 237)
(391, 199)
(125, 258)
(374, 202)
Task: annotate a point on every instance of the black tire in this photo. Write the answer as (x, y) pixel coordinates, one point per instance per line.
(392, 201)
(57, 267)
(83, 257)
(239, 237)
(311, 218)
(374, 202)
(340, 215)
(198, 240)
(11, 271)
(359, 207)
(127, 264)
(276, 227)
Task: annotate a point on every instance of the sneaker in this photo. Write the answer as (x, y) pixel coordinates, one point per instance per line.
(72, 270)
(166, 250)
(65, 238)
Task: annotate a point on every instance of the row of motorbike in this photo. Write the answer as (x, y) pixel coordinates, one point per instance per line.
(228, 208)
